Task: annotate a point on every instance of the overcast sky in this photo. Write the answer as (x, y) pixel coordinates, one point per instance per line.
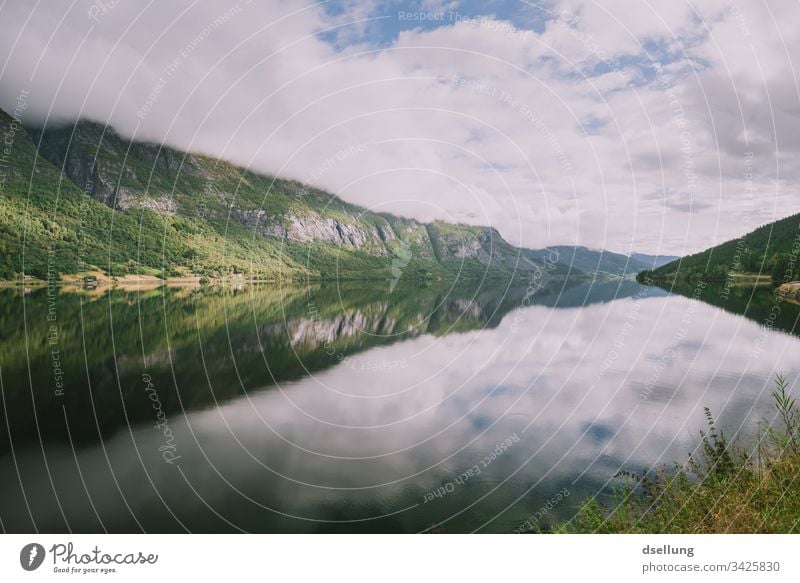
(661, 127)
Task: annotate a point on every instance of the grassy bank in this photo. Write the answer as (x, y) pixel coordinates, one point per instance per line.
(725, 487)
(718, 276)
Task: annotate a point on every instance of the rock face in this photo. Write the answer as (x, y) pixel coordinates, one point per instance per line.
(312, 226)
(127, 198)
(477, 244)
(202, 195)
(96, 159)
(65, 149)
(315, 227)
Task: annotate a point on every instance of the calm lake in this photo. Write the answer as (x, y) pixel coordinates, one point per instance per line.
(347, 408)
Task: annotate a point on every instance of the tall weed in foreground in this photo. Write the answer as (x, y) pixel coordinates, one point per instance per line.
(723, 488)
(787, 435)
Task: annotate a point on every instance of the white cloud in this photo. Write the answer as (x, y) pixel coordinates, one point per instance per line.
(563, 136)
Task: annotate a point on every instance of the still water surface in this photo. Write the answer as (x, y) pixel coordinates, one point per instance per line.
(351, 408)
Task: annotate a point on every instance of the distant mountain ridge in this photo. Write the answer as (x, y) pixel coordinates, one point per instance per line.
(602, 262)
(653, 261)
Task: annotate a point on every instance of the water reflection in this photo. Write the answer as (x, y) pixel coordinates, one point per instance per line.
(345, 409)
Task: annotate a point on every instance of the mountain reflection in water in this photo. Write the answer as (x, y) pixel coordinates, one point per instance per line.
(343, 408)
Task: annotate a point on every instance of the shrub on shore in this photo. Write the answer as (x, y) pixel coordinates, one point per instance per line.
(723, 488)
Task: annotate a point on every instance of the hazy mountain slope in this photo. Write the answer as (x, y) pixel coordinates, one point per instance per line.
(771, 250)
(593, 261)
(646, 261)
(132, 207)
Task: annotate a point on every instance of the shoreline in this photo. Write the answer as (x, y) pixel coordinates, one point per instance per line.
(735, 280)
(102, 281)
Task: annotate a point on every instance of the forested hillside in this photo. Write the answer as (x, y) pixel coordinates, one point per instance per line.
(771, 250)
(79, 198)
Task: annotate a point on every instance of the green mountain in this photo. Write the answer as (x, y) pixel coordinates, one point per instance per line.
(600, 262)
(769, 250)
(81, 197)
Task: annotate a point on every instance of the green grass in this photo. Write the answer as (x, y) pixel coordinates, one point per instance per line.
(724, 488)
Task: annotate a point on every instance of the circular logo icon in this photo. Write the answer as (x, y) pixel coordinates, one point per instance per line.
(31, 556)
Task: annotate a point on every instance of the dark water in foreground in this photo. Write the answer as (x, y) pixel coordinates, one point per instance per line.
(348, 409)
